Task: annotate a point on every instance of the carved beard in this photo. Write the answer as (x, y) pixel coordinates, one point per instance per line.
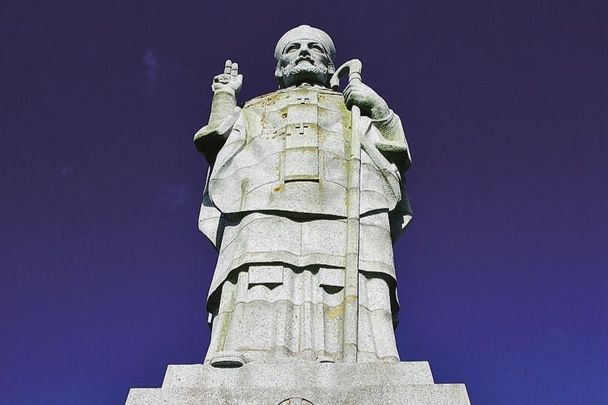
(296, 73)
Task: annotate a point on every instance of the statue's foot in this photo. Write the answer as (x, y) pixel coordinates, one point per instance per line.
(228, 359)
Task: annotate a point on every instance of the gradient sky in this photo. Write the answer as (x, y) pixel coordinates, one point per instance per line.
(502, 275)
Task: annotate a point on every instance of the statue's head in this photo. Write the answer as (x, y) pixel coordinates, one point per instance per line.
(304, 55)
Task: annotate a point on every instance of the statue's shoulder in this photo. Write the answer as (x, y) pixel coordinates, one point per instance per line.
(263, 99)
(275, 96)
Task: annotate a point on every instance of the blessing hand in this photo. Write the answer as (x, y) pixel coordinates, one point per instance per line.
(230, 80)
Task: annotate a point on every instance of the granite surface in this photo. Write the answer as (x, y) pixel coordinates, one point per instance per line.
(302, 383)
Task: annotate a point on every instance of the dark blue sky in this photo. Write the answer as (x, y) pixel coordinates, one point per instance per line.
(502, 275)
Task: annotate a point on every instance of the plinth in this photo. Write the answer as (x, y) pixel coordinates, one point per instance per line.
(296, 382)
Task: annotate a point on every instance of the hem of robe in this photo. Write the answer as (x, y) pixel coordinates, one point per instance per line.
(300, 318)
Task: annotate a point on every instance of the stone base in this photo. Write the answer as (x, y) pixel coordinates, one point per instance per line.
(408, 383)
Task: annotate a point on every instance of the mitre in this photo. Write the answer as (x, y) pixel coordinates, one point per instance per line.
(305, 32)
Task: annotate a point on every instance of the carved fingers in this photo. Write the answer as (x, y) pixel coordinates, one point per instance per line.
(361, 95)
(230, 79)
(234, 69)
(228, 67)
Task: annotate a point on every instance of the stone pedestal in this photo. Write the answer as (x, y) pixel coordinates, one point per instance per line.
(406, 383)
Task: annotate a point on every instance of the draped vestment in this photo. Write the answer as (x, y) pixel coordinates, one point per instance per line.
(274, 206)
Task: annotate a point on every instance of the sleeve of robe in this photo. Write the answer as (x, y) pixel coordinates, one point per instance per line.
(208, 141)
(210, 138)
(387, 138)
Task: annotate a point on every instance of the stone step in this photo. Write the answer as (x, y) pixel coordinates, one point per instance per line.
(302, 383)
(415, 394)
(298, 374)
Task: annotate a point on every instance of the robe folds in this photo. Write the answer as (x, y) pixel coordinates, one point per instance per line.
(274, 206)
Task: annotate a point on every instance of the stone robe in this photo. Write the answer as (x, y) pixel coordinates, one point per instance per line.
(275, 208)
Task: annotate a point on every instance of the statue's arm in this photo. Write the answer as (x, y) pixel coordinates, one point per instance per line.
(224, 112)
(393, 143)
(391, 138)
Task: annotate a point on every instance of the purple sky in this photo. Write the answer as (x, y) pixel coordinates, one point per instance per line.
(502, 274)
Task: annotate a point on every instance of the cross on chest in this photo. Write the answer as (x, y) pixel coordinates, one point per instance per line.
(303, 99)
(300, 128)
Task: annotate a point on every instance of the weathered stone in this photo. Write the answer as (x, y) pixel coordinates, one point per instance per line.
(303, 201)
(326, 384)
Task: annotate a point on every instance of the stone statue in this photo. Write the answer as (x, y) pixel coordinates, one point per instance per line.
(290, 201)
(303, 201)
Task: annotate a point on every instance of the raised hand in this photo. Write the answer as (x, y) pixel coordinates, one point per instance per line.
(230, 80)
(370, 103)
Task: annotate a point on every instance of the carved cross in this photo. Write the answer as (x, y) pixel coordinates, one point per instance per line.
(301, 127)
(303, 100)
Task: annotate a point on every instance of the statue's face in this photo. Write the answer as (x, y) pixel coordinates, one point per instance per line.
(304, 61)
